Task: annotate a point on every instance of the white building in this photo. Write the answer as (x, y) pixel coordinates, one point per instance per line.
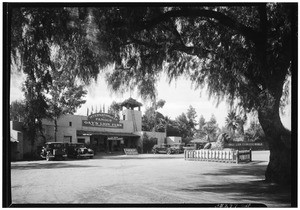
(101, 131)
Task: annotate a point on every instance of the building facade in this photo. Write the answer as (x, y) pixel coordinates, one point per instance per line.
(103, 132)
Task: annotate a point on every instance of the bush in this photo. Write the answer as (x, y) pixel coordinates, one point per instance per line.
(148, 143)
(255, 133)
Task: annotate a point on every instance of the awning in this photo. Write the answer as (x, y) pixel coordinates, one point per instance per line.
(90, 133)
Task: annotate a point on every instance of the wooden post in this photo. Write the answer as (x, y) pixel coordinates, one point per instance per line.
(250, 155)
(237, 157)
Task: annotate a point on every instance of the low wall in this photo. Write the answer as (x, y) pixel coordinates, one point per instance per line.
(229, 156)
(247, 145)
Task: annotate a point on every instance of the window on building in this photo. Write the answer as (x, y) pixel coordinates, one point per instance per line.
(124, 117)
(81, 141)
(70, 123)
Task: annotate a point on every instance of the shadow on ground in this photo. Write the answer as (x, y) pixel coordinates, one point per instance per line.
(255, 191)
(47, 165)
(253, 168)
(140, 156)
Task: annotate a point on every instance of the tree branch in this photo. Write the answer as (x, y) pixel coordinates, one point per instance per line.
(200, 52)
(220, 17)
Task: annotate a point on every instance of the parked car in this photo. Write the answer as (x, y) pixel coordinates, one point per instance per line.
(78, 150)
(176, 148)
(167, 149)
(190, 146)
(194, 146)
(160, 149)
(54, 150)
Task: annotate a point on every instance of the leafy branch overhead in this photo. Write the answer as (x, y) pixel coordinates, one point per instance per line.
(225, 47)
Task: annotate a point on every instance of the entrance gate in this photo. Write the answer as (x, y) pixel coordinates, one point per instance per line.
(112, 144)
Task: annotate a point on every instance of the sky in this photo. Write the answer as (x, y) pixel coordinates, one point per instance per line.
(179, 95)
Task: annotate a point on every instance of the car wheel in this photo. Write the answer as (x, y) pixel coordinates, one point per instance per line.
(177, 151)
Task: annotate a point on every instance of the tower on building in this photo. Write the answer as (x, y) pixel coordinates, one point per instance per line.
(130, 114)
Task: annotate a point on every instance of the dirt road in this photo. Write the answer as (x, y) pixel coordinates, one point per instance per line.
(158, 179)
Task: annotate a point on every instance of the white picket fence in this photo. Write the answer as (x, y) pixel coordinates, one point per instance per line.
(228, 156)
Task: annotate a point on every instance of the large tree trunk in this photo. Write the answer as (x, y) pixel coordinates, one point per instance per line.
(279, 139)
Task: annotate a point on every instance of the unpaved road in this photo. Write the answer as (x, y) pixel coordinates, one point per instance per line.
(154, 179)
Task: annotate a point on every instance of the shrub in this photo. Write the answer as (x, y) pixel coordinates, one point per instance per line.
(148, 143)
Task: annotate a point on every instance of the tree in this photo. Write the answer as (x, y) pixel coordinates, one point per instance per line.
(242, 53)
(186, 124)
(201, 122)
(152, 120)
(200, 133)
(173, 128)
(241, 120)
(64, 97)
(35, 111)
(115, 109)
(184, 127)
(255, 132)
(148, 143)
(65, 94)
(36, 32)
(231, 122)
(211, 128)
(157, 105)
(17, 110)
(191, 116)
(235, 122)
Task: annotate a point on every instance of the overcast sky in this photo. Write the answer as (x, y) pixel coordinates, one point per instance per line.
(178, 95)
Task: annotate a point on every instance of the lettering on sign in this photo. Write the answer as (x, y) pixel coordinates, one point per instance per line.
(129, 151)
(103, 120)
(115, 138)
(245, 144)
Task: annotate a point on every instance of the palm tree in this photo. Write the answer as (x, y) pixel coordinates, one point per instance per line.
(241, 122)
(231, 122)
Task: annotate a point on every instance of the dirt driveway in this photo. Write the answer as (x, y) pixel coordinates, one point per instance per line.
(142, 179)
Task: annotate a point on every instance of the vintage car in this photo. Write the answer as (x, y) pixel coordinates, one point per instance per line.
(78, 150)
(54, 150)
(167, 149)
(194, 146)
(177, 148)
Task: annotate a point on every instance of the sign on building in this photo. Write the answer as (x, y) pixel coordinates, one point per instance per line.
(115, 138)
(103, 120)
